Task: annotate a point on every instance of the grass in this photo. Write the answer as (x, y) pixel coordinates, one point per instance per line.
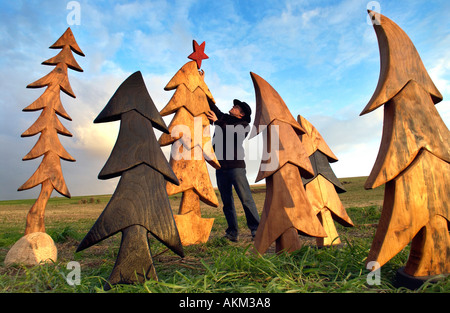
(218, 266)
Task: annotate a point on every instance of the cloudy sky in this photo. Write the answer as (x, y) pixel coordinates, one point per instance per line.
(321, 56)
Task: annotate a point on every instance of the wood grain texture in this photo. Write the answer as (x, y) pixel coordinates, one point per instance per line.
(399, 63)
(47, 122)
(327, 222)
(187, 128)
(270, 106)
(57, 77)
(49, 172)
(35, 222)
(193, 228)
(192, 133)
(50, 98)
(132, 94)
(288, 241)
(286, 148)
(312, 140)
(140, 204)
(134, 263)
(195, 102)
(413, 161)
(189, 135)
(139, 199)
(287, 211)
(48, 142)
(49, 169)
(411, 201)
(322, 189)
(189, 203)
(286, 206)
(325, 201)
(411, 123)
(192, 174)
(68, 39)
(323, 197)
(65, 56)
(322, 194)
(429, 253)
(191, 78)
(181, 128)
(136, 144)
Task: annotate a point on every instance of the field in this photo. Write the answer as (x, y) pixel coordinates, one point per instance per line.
(218, 266)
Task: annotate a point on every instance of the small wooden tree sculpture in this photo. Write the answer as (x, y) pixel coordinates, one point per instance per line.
(413, 160)
(140, 203)
(287, 211)
(49, 173)
(191, 146)
(322, 190)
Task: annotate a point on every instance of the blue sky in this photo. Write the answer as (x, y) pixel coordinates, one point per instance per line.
(321, 56)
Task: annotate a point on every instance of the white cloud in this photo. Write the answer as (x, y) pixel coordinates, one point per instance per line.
(443, 108)
(353, 139)
(440, 74)
(357, 161)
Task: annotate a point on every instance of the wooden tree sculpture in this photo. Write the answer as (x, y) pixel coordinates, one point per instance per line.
(191, 146)
(140, 203)
(413, 160)
(287, 211)
(322, 190)
(49, 173)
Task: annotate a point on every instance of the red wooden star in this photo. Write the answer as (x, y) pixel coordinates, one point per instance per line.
(199, 53)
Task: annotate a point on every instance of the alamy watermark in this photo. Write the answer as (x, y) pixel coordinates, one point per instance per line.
(73, 278)
(74, 16)
(374, 277)
(374, 17)
(195, 144)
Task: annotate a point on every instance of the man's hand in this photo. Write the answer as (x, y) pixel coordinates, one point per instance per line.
(211, 116)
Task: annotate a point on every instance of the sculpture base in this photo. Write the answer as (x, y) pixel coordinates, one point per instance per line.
(403, 279)
(32, 249)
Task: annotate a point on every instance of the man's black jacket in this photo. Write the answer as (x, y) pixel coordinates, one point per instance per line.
(228, 138)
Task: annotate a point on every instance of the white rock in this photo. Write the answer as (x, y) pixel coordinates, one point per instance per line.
(32, 249)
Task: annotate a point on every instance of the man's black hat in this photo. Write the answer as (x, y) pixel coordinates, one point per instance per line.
(245, 108)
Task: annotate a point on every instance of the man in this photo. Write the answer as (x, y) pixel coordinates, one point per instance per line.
(230, 132)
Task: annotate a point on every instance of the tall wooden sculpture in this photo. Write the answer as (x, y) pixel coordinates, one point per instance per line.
(191, 146)
(413, 160)
(140, 203)
(49, 173)
(287, 211)
(322, 190)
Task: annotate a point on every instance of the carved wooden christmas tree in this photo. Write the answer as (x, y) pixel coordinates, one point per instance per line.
(191, 146)
(140, 203)
(322, 190)
(49, 173)
(413, 160)
(287, 211)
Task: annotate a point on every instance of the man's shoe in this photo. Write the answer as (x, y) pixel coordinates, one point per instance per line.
(231, 238)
